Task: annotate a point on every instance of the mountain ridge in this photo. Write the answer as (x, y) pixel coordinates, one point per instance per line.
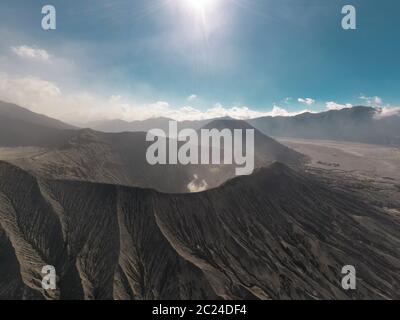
(13, 111)
(356, 124)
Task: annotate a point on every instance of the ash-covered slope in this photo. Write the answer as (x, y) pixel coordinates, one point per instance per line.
(277, 234)
(20, 133)
(120, 158)
(267, 150)
(102, 239)
(115, 158)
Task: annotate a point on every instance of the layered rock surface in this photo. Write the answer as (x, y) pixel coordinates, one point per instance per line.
(278, 234)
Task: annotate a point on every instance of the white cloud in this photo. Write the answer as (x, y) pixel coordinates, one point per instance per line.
(331, 105)
(381, 111)
(287, 100)
(372, 101)
(27, 90)
(192, 97)
(281, 112)
(387, 111)
(236, 112)
(47, 97)
(378, 100)
(307, 101)
(31, 53)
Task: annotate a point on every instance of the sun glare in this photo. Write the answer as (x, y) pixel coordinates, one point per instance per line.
(200, 4)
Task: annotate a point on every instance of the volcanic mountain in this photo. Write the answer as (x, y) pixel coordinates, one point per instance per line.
(278, 234)
(119, 158)
(267, 150)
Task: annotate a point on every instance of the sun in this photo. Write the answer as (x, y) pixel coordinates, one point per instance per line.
(201, 15)
(201, 5)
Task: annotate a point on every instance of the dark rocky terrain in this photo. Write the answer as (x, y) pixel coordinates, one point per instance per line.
(278, 234)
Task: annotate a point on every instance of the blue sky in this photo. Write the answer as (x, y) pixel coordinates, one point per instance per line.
(141, 58)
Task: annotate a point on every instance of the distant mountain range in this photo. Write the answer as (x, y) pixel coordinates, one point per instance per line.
(357, 124)
(114, 126)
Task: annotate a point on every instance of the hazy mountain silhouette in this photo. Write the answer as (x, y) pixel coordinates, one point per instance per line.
(115, 126)
(357, 124)
(14, 112)
(277, 234)
(21, 127)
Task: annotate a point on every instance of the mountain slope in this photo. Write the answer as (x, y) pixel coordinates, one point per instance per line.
(277, 234)
(19, 133)
(120, 158)
(12, 111)
(267, 150)
(87, 155)
(99, 237)
(20, 127)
